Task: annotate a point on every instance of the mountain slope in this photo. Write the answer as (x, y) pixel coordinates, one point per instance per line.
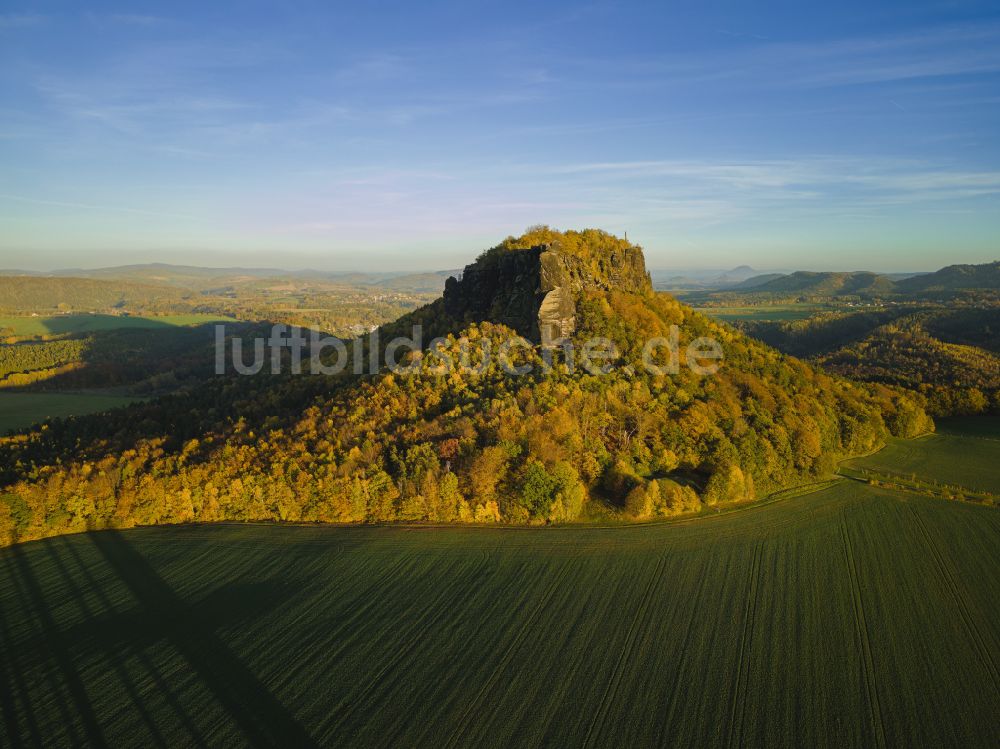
(756, 281)
(955, 278)
(473, 443)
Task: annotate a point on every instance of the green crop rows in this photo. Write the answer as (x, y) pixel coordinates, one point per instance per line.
(852, 616)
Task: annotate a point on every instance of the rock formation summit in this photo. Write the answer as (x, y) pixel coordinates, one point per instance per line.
(534, 290)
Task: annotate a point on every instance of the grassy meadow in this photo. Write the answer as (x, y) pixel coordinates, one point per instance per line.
(849, 617)
(964, 454)
(18, 410)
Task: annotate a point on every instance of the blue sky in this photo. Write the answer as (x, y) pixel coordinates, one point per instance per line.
(412, 135)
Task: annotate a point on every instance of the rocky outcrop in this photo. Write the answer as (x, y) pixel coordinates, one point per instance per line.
(534, 290)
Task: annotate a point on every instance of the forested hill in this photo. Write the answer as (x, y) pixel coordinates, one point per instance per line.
(475, 444)
(950, 356)
(821, 284)
(955, 278)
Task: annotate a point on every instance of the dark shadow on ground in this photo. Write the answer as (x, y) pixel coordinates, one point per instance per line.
(59, 648)
(64, 580)
(85, 323)
(263, 720)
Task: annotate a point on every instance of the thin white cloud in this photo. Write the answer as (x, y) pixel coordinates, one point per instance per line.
(92, 207)
(815, 177)
(938, 52)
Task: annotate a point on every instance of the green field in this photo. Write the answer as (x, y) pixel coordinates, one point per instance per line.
(964, 454)
(18, 410)
(846, 618)
(762, 312)
(79, 323)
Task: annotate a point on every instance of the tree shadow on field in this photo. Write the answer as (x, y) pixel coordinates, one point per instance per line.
(263, 720)
(33, 600)
(159, 614)
(88, 323)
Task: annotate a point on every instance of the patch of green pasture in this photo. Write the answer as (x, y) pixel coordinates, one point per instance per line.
(957, 456)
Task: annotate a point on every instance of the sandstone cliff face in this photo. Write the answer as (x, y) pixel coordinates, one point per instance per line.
(534, 290)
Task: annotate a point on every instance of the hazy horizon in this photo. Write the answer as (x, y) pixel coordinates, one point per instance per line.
(281, 267)
(854, 136)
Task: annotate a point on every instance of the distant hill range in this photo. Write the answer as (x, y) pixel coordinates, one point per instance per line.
(199, 278)
(705, 279)
(132, 285)
(44, 292)
(954, 279)
(824, 284)
(736, 275)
